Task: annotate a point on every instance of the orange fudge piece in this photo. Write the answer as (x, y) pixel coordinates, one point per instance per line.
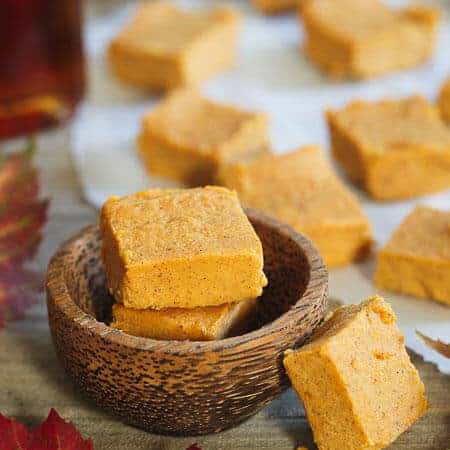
(444, 101)
(194, 324)
(187, 137)
(416, 260)
(164, 47)
(365, 38)
(355, 379)
(301, 190)
(394, 149)
(180, 249)
(275, 6)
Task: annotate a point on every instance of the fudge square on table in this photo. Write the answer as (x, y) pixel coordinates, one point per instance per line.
(416, 259)
(164, 47)
(365, 38)
(180, 249)
(194, 324)
(355, 379)
(394, 149)
(301, 190)
(188, 137)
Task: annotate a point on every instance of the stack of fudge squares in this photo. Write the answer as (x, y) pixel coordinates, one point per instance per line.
(186, 264)
(181, 264)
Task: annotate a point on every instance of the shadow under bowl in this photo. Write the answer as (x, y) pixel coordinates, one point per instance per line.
(181, 387)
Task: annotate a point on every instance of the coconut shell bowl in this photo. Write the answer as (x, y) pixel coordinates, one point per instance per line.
(184, 388)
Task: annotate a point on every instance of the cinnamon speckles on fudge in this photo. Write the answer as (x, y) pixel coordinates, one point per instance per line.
(180, 248)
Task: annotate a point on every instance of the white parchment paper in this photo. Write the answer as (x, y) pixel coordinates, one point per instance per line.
(271, 75)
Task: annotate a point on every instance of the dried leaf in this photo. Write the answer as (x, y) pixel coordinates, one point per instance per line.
(13, 435)
(56, 434)
(53, 434)
(22, 216)
(435, 344)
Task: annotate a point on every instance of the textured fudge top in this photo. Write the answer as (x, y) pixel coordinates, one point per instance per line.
(424, 233)
(392, 125)
(352, 20)
(190, 121)
(300, 188)
(161, 27)
(159, 225)
(344, 317)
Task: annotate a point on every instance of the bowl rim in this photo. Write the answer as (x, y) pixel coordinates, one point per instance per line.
(57, 291)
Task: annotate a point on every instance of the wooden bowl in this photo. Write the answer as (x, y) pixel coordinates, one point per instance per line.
(184, 388)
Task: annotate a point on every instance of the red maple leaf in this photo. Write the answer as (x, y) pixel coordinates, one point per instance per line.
(13, 435)
(53, 434)
(22, 216)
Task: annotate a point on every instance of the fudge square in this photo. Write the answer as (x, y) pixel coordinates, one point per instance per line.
(444, 101)
(301, 190)
(188, 137)
(416, 259)
(275, 6)
(365, 38)
(193, 324)
(394, 149)
(163, 47)
(355, 379)
(180, 248)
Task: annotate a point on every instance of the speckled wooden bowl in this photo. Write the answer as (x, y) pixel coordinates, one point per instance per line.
(184, 388)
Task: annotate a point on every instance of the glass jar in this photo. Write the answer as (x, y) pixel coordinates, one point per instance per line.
(41, 64)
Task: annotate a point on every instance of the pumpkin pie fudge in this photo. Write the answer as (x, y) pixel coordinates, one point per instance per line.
(416, 260)
(394, 149)
(188, 137)
(193, 324)
(180, 249)
(444, 101)
(164, 47)
(355, 379)
(301, 190)
(366, 38)
(275, 6)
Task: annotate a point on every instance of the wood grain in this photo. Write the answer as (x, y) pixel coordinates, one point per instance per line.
(185, 388)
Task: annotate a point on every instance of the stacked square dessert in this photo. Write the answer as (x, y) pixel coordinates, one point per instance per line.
(181, 264)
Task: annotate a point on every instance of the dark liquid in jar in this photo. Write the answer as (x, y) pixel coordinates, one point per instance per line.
(41, 63)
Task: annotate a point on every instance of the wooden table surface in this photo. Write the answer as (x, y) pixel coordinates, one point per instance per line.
(32, 381)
